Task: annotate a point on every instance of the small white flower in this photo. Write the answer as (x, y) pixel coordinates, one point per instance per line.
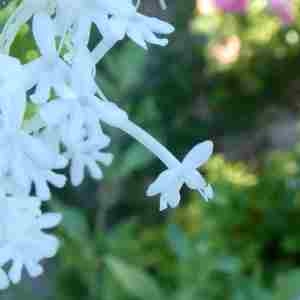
(77, 123)
(75, 112)
(86, 153)
(123, 19)
(49, 70)
(12, 77)
(24, 158)
(22, 240)
(169, 182)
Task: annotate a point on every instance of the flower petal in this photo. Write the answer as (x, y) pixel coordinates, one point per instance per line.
(151, 38)
(136, 35)
(49, 244)
(55, 111)
(194, 180)
(41, 154)
(105, 158)
(77, 170)
(34, 269)
(163, 182)
(15, 272)
(5, 255)
(44, 34)
(58, 180)
(170, 198)
(198, 155)
(49, 220)
(156, 25)
(94, 169)
(4, 282)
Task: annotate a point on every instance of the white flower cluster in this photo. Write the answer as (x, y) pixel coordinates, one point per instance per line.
(66, 128)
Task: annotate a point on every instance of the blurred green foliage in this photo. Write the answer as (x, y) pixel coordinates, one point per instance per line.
(243, 245)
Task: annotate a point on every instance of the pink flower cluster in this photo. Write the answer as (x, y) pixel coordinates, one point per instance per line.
(282, 8)
(238, 6)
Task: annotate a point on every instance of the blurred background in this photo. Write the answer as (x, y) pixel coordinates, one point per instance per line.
(230, 77)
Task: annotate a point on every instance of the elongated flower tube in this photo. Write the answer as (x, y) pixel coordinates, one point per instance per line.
(66, 128)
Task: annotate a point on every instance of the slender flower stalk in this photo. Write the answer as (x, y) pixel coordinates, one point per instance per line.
(151, 144)
(102, 49)
(163, 4)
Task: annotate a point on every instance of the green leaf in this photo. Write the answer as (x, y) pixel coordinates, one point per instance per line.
(74, 222)
(228, 264)
(178, 241)
(136, 282)
(288, 287)
(135, 158)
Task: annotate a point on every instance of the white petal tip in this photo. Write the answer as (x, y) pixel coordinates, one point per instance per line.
(150, 192)
(106, 159)
(162, 206)
(164, 42)
(76, 183)
(209, 192)
(209, 143)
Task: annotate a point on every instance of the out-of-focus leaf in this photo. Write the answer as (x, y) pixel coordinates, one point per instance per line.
(228, 264)
(135, 158)
(135, 281)
(178, 241)
(288, 287)
(74, 222)
(248, 289)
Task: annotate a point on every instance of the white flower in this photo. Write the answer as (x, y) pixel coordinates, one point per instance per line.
(12, 77)
(123, 19)
(22, 240)
(169, 182)
(78, 126)
(75, 112)
(67, 125)
(86, 153)
(24, 158)
(49, 70)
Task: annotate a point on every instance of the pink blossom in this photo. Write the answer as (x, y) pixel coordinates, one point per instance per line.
(283, 9)
(232, 5)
